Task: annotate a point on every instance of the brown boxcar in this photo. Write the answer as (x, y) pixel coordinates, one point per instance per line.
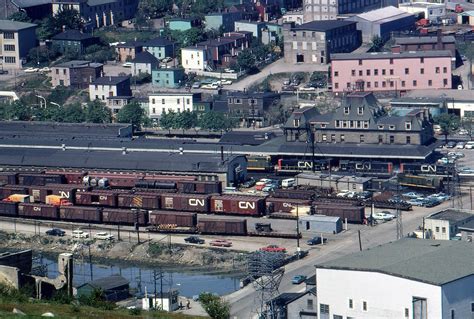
(8, 178)
(286, 205)
(67, 191)
(139, 200)
(8, 190)
(96, 198)
(222, 226)
(114, 180)
(81, 214)
(241, 205)
(169, 178)
(124, 217)
(200, 187)
(294, 194)
(40, 211)
(180, 219)
(71, 177)
(40, 179)
(8, 209)
(354, 214)
(185, 202)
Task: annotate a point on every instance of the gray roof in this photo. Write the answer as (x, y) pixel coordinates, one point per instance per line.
(107, 283)
(424, 40)
(469, 226)
(385, 14)
(73, 35)
(158, 42)
(320, 218)
(9, 25)
(30, 3)
(130, 44)
(448, 94)
(145, 57)
(390, 55)
(323, 25)
(429, 261)
(79, 64)
(452, 215)
(99, 2)
(110, 80)
(424, 101)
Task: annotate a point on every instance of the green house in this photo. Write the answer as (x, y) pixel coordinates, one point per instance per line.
(202, 106)
(73, 41)
(177, 24)
(160, 47)
(168, 78)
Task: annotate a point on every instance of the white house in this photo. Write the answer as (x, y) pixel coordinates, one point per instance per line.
(159, 103)
(444, 225)
(168, 301)
(429, 10)
(409, 278)
(144, 62)
(195, 58)
(114, 91)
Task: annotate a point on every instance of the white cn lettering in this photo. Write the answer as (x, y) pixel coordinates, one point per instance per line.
(304, 164)
(428, 168)
(64, 194)
(102, 197)
(363, 166)
(196, 202)
(287, 205)
(37, 209)
(246, 205)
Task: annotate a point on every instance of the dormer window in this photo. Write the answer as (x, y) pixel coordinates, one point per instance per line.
(296, 122)
(344, 124)
(380, 127)
(338, 123)
(346, 110)
(366, 124)
(360, 110)
(408, 126)
(323, 125)
(391, 127)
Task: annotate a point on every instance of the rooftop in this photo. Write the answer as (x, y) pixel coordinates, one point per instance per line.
(145, 57)
(73, 35)
(384, 14)
(157, 42)
(452, 215)
(130, 44)
(323, 25)
(78, 64)
(390, 55)
(450, 95)
(9, 25)
(467, 226)
(30, 3)
(413, 259)
(110, 80)
(425, 40)
(108, 283)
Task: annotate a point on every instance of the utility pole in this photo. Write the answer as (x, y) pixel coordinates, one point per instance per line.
(297, 231)
(360, 242)
(158, 275)
(399, 212)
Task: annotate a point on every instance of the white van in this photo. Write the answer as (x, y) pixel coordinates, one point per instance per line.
(469, 145)
(287, 183)
(437, 129)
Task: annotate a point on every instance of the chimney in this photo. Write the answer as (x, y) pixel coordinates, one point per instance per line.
(396, 49)
(63, 147)
(63, 28)
(222, 153)
(181, 151)
(124, 151)
(439, 39)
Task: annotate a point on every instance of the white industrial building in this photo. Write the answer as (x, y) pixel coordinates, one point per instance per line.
(164, 102)
(195, 58)
(429, 10)
(409, 278)
(444, 225)
(459, 102)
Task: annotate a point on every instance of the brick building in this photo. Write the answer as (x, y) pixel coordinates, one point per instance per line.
(385, 71)
(428, 43)
(314, 42)
(76, 74)
(330, 10)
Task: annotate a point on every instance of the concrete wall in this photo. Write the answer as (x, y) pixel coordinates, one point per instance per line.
(457, 296)
(10, 276)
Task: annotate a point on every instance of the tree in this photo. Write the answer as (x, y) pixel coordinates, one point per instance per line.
(376, 44)
(97, 112)
(42, 54)
(154, 8)
(167, 120)
(202, 7)
(132, 113)
(246, 60)
(20, 16)
(185, 120)
(448, 123)
(215, 121)
(67, 18)
(215, 306)
(18, 111)
(74, 113)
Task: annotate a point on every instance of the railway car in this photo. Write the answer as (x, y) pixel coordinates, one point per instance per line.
(222, 226)
(180, 219)
(434, 183)
(139, 200)
(38, 211)
(200, 187)
(8, 209)
(239, 205)
(71, 177)
(185, 202)
(40, 179)
(8, 190)
(367, 168)
(354, 214)
(152, 184)
(259, 164)
(293, 166)
(124, 217)
(81, 214)
(67, 191)
(426, 169)
(287, 205)
(8, 178)
(294, 194)
(96, 199)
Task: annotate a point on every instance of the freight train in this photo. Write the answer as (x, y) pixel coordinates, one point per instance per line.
(367, 168)
(426, 169)
(292, 166)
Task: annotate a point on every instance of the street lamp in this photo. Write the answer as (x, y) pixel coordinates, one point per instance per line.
(54, 103)
(44, 99)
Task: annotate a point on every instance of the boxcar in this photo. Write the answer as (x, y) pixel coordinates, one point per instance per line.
(286, 205)
(8, 178)
(40, 179)
(96, 198)
(294, 194)
(354, 214)
(70, 177)
(240, 205)
(139, 200)
(185, 202)
(200, 187)
(124, 217)
(81, 214)
(8, 209)
(8, 190)
(180, 219)
(39, 211)
(223, 226)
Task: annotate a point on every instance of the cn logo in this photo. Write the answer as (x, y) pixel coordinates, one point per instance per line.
(246, 205)
(363, 166)
(102, 197)
(64, 194)
(288, 205)
(37, 209)
(304, 164)
(428, 168)
(196, 202)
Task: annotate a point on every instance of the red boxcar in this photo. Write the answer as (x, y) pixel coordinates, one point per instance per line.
(285, 205)
(180, 219)
(8, 178)
(96, 198)
(200, 187)
(222, 226)
(67, 191)
(71, 177)
(8, 190)
(8, 209)
(39, 211)
(40, 179)
(139, 200)
(81, 214)
(241, 205)
(354, 214)
(124, 217)
(185, 202)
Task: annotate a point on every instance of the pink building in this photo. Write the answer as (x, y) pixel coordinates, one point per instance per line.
(387, 71)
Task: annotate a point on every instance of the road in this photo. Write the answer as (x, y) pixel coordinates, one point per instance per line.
(245, 302)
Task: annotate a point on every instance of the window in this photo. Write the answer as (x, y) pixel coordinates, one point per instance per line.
(9, 59)
(384, 84)
(380, 139)
(366, 124)
(403, 84)
(414, 82)
(391, 71)
(296, 122)
(324, 138)
(364, 305)
(178, 101)
(362, 138)
(353, 72)
(408, 126)
(324, 309)
(445, 82)
(237, 101)
(337, 317)
(376, 72)
(392, 84)
(422, 60)
(360, 72)
(360, 62)
(445, 70)
(452, 314)
(338, 123)
(153, 110)
(309, 304)
(152, 101)
(360, 110)
(437, 69)
(346, 110)
(437, 229)
(407, 71)
(392, 139)
(336, 85)
(162, 101)
(407, 313)
(391, 61)
(443, 230)
(323, 125)
(333, 138)
(351, 304)
(8, 35)
(368, 72)
(336, 73)
(376, 84)
(408, 140)
(430, 82)
(9, 47)
(472, 306)
(343, 138)
(383, 72)
(422, 71)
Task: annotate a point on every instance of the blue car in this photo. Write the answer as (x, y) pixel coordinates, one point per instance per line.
(298, 279)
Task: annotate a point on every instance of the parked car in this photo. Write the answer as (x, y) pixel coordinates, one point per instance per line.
(385, 215)
(411, 195)
(463, 132)
(268, 188)
(316, 240)
(31, 70)
(469, 145)
(351, 195)
(225, 82)
(196, 85)
(227, 70)
(364, 195)
(249, 183)
(451, 144)
(194, 240)
(79, 234)
(55, 232)
(221, 243)
(460, 145)
(167, 59)
(298, 279)
(127, 64)
(307, 87)
(45, 69)
(211, 86)
(416, 202)
(456, 154)
(286, 82)
(342, 193)
(273, 249)
(103, 236)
